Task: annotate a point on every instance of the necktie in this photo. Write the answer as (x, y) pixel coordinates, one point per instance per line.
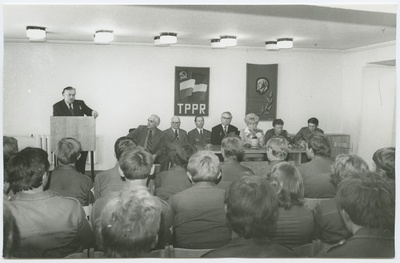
(149, 144)
(226, 130)
(176, 134)
(71, 109)
(201, 132)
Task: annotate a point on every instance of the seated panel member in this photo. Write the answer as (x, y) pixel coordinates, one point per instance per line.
(317, 172)
(251, 208)
(251, 131)
(50, 226)
(304, 133)
(149, 137)
(199, 213)
(111, 180)
(199, 136)
(69, 106)
(221, 130)
(277, 131)
(368, 208)
(65, 179)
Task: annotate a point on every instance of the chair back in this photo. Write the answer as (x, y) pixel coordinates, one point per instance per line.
(258, 167)
(311, 203)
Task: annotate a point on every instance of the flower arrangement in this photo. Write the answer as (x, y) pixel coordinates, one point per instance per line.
(255, 134)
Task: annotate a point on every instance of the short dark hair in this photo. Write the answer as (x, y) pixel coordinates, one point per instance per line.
(195, 118)
(346, 165)
(289, 184)
(182, 154)
(68, 88)
(319, 144)
(313, 120)
(130, 222)
(68, 150)
(277, 122)
(122, 144)
(136, 164)
(368, 200)
(10, 147)
(385, 161)
(232, 147)
(26, 168)
(251, 206)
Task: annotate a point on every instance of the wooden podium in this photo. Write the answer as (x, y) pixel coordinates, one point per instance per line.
(81, 128)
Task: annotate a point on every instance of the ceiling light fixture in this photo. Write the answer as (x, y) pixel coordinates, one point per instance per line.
(285, 42)
(271, 45)
(103, 37)
(157, 42)
(36, 33)
(229, 41)
(216, 43)
(168, 38)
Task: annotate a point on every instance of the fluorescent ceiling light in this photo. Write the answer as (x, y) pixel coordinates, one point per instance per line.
(229, 41)
(168, 38)
(36, 33)
(157, 42)
(285, 42)
(103, 37)
(271, 45)
(216, 43)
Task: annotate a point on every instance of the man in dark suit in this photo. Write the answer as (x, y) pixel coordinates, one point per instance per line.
(172, 137)
(221, 130)
(199, 136)
(149, 137)
(69, 106)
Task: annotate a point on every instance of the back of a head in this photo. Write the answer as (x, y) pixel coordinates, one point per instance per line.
(385, 161)
(251, 206)
(135, 164)
(203, 166)
(368, 201)
(10, 147)
(346, 165)
(182, 154)
(122, 144)
(232, 148)
(68, 150)
(26, 168)
(288, 182)
(320, 145)
(130, 223)
(279, 147)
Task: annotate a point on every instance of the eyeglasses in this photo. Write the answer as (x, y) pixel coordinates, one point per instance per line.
(226, 118)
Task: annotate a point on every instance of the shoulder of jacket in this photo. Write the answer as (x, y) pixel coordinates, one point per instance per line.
(334, 246)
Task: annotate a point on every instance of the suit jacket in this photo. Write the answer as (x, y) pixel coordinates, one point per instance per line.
(217, 133)
(80, 109)
(139, 136)
(171, 142)
(195, 138)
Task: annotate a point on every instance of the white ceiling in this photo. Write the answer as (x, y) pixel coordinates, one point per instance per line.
(312, 27)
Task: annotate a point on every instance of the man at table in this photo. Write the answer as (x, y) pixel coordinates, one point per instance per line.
(277, 131)
(69, 106)
(304, 134)
(221, 130)
(199, 136)
(149, 137)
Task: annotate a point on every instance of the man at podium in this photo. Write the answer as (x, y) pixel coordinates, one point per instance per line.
(69, 106)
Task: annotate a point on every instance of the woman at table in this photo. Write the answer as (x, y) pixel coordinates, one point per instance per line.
(252, 137)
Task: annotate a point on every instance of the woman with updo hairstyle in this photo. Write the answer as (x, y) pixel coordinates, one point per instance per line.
(252, 137)
(175, 180)
(295, 223)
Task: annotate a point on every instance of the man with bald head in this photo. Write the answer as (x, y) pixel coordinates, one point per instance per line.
(149, 137)
(172, 137)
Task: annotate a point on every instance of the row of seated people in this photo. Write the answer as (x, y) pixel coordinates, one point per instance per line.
(265, 210)
(162, 144)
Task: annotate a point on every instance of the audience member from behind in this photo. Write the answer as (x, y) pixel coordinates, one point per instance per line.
(232, 151)
(317, 173)
(367, 208)
(11, 236)
(329, 225)
(10, 147)
(199, 213)
(385, 163)
(175, 180)
(295, 223)
(277, 152)
(65, 179)
(111, 180)
(135, 166)
(305, 133)
(277, 131)
(130, 223)
(251, 208)
(50, 226)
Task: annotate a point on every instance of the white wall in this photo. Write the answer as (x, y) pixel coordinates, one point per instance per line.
(127, 83)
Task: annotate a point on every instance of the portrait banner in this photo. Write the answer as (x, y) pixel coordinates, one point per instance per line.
(261, 90)
(192, 89)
